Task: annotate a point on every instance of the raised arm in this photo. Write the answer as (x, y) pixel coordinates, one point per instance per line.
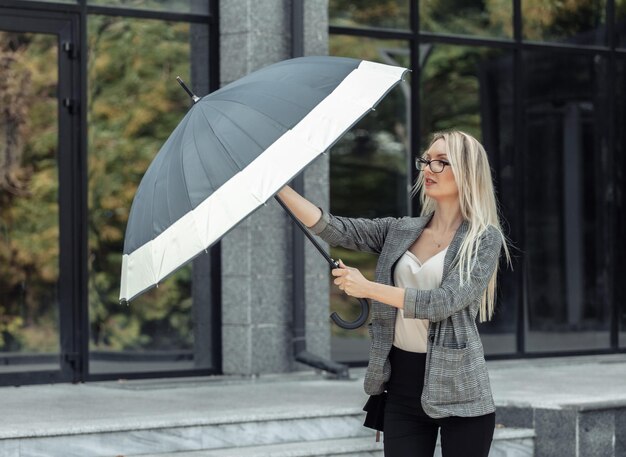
(304, 210)
(358, 234)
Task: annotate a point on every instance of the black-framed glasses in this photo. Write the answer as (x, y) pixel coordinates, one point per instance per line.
(436, 166)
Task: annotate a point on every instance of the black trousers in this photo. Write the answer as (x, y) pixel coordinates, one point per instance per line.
(410, 432)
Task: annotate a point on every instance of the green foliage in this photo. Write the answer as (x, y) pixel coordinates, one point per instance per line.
(134, 105)
(450, 88)
(29, 234)
(560, 20)
(375, 13)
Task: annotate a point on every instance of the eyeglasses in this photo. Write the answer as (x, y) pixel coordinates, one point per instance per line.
(436, 166)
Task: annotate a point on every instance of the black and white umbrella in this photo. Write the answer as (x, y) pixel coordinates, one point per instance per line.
(234, 150)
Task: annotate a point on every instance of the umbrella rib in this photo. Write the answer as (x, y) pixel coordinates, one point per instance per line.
(167, 201)
(182, 170)
(158, 173)
(206, 173)
(218, 139)
(239, 128)
(273, 95)
(261, 112)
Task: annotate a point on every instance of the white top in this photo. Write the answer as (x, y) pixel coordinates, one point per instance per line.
(411, 334)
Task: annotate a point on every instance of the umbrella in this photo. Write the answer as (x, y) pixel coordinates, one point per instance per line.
(234, 150)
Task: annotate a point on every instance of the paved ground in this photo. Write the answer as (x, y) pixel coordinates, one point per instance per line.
(559, 381)
(113, 405)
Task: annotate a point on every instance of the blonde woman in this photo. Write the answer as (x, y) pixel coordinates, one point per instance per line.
(435, 273)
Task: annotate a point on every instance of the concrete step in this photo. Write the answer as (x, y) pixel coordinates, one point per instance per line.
(344, 447)
(506, 443)
(270, 435)
(199, 415)
(261, 429)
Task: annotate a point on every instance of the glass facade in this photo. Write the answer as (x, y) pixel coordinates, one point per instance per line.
(368, 13)
(566, 214)
(29, 203)
(68, 178)
(619, 195)
(620, 23)
(462, 17)
(520, 76)
(577, 22)
(155, 331)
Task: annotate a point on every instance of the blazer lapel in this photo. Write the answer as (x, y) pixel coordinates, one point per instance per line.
(414, 227)
(410, 229)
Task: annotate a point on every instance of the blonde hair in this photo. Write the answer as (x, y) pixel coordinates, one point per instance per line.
(477, 198)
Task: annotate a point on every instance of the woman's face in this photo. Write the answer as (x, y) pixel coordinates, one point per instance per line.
(444, 186)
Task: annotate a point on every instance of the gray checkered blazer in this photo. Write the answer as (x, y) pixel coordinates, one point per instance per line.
(456, 382)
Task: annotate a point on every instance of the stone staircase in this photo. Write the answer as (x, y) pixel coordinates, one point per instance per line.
(297, 434)
(546, 407)
(507, 443)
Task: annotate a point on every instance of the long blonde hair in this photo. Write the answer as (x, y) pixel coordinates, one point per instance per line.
(477, 198)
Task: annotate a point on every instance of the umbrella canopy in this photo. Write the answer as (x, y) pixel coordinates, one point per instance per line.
(234, 150)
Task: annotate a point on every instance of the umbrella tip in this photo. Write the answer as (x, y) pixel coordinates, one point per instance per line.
(193, 96)
(123, 301)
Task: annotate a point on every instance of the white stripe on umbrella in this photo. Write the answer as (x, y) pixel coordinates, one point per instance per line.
(193, 233)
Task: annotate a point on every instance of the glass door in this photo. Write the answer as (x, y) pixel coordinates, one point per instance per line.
(39, 243)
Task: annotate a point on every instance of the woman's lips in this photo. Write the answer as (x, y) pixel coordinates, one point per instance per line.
(429, 183)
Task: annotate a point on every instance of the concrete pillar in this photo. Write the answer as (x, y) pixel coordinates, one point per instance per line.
(256, 265)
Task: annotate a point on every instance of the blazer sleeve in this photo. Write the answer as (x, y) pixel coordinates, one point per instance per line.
(439, 304)
(359, 234)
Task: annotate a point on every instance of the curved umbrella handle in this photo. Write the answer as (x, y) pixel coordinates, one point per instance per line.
(365, 310)
(365, 306)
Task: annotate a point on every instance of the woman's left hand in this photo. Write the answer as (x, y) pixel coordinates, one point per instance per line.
(351, 281)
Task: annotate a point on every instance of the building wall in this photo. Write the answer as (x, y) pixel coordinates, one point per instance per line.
(257, 311)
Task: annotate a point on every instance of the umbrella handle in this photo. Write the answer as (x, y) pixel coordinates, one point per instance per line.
(365, 306)
(365, 310)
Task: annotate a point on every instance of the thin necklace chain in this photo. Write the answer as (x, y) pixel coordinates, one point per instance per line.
(433, 236)
(436, 242)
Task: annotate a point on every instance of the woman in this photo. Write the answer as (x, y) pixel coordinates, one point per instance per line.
(434, 274)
